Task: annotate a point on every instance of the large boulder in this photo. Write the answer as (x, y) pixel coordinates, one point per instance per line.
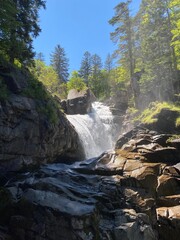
(79, 102)
(166, 121)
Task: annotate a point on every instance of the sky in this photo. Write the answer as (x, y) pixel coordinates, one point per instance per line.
(78, 26)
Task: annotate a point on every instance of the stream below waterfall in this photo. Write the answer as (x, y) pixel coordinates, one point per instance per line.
(97, 130)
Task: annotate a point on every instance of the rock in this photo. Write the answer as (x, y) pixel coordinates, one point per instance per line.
(165, 123)
(169, 201)
(29, 138)
(64, 105)
(14, 78)
(169, 222)
(119, 102)
(168, 185)
(164, 155)
(59, 202)
(119, 195)
(5, 236)
(79, 102)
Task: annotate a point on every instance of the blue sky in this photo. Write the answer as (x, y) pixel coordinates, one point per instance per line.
(78, 26)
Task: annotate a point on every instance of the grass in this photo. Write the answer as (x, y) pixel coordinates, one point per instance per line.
(148, 116)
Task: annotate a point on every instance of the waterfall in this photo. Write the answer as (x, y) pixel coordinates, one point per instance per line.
(96, 130)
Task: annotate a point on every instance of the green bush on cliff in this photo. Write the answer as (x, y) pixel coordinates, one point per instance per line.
(37, 90)
(49, 109)
(148, 116)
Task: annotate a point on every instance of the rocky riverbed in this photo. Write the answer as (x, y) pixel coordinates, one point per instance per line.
(132, 192)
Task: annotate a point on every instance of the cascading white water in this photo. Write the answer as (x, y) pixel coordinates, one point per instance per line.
(96, 129)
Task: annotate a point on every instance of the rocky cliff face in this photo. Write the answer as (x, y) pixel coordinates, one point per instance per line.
(27, 135)
(131, 193)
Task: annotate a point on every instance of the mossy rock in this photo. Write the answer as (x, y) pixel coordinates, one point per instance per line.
(163, 117)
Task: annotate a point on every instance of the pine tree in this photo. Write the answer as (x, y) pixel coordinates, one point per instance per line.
(155, 35)
(86, 67)
(18, 25)
(123, 36)
(109, 63)
(173, 13)
(96, 65)
(59, 62)
(96, 78)
(40, 56)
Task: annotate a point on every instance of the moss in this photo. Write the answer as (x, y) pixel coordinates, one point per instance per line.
(149, 115)
(174, 137)
(132, 110)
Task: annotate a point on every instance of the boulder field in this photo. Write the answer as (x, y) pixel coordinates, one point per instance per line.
(130, 193)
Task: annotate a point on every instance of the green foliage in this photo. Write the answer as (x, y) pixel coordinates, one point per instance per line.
(174, 15)
(156, 54)
(76, 82)
(148, 116)
(148, 43)
(46, 75)
(35, 89)
(49, 78)
(4, 93)
(18, 25)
